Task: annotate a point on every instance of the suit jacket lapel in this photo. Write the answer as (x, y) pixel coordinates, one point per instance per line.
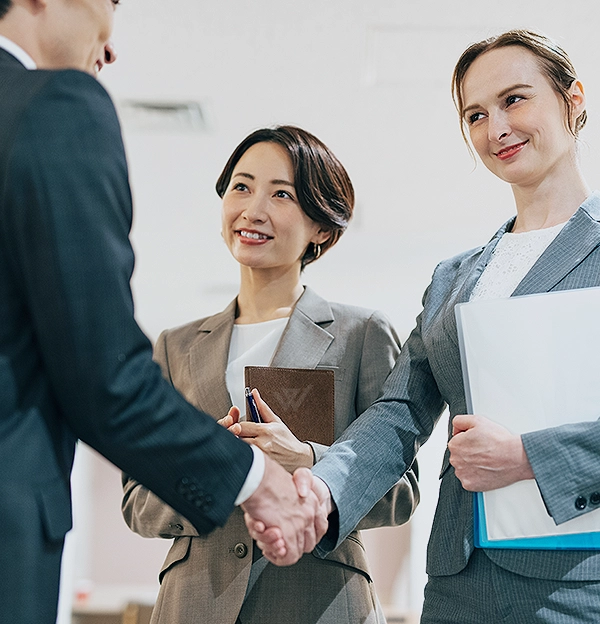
(304, 339)
(208, 362)
(470, 271)
(579, 237)
(8, 60)
(474, 271)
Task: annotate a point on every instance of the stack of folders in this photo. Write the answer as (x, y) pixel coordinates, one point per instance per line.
(303, 398)
(530, 363)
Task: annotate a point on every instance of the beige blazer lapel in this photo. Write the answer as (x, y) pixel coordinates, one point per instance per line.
(305, 340)
(208, 361)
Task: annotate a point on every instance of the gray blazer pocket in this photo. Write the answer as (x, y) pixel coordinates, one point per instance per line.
(351, 554)
(338, 371)
(54, 500)
(179, 552)
(446, 465)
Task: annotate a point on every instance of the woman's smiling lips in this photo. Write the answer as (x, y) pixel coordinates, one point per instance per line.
(511, 150)
(252, 237)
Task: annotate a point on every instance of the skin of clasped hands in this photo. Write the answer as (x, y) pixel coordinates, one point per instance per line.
(287, 514)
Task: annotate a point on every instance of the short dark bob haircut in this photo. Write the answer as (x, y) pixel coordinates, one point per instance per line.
(4, 6)
(553, 61)
(323, 187)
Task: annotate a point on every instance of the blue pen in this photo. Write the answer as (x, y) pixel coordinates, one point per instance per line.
(253, 409)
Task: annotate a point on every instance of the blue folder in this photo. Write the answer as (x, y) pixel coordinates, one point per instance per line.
(573, 541)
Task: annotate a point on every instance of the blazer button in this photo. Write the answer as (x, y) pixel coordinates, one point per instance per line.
(182, 486)
(580, 502)
(177, 527)
(240, 550)
(595, 498)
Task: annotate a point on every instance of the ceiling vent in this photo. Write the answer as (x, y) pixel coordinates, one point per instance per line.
(163, 116)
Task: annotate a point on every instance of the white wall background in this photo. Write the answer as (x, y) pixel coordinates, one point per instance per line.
(372, 79)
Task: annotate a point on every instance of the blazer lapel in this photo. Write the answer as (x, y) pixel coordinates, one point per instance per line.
(208, 361)
(470, 272)
(304, 339)
(474, 272)
(579, 237)
(8, 60)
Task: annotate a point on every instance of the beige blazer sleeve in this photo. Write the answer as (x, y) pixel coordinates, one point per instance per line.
(144, 512)
(195, 368)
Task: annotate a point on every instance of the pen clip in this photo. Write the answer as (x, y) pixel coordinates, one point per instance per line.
(252, 407)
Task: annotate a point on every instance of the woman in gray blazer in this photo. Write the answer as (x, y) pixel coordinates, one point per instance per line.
(286, 200)
(522, 106)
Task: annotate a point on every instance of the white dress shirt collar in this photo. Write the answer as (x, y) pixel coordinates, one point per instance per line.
(17, 51)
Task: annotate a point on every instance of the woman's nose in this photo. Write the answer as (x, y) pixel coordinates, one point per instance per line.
(110, 54)
(498, 127)
(256, 209)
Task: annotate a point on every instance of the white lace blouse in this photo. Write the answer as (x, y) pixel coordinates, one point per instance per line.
(511, 260)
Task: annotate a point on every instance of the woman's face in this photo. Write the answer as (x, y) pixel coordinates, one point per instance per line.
(516, 120)
(263, 224)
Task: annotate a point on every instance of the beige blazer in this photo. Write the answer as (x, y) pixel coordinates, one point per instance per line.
(207, 578)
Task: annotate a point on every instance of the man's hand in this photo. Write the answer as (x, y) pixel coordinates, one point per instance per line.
(485, 455)
(285, 515)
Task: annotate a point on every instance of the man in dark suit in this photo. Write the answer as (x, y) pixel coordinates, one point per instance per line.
(73, 362)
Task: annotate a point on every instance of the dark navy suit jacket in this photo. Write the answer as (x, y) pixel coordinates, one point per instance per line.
(73, 362)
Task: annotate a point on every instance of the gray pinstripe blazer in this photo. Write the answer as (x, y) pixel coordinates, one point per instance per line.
(427, 376)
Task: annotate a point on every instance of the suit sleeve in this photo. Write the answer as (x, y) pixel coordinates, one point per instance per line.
(378, 448)
(566, 466)
(144, 512)
(381, 348)
(67, 206)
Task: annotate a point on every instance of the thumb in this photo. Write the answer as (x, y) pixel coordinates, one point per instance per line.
(234, 414)
(303, 480)
(463, 422)
(266, 413)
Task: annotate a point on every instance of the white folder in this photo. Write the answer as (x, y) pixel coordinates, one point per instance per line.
(530, 363)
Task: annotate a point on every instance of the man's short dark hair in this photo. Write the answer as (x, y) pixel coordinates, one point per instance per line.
(4, 6)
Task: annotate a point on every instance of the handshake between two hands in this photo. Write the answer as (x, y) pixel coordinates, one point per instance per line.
(287, 514)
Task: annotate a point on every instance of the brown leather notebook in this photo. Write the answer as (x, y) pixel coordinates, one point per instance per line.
(302, 397)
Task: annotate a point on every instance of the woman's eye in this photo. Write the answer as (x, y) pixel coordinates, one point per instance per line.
(474, 117)
(239, 186)
(283, 195)
(511, 99)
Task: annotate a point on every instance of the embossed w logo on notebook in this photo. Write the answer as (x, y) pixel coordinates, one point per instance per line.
(292, 399)
(303, 398)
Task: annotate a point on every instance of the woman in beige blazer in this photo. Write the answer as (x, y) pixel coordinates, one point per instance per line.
(286, 200)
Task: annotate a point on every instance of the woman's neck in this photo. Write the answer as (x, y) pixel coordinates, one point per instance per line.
(267, 294)
(552, 201)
